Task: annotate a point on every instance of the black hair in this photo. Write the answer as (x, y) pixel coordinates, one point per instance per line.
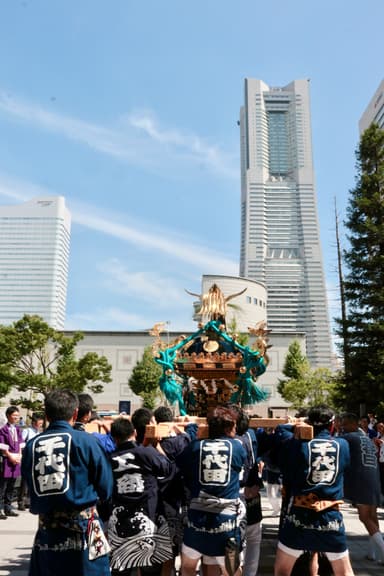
(302, 413)
(320, 417)
(351, 417)
(94, 415)
(221, 422)
(242, 423)
(140, 418)
(364, 417)
(37, 416)
(85, 405)
(242, 420)
(11, 410)
(163, 414)
(121, 430)
(60, 405)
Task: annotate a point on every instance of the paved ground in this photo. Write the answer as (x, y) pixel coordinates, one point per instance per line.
(16, 536)
(357, 543)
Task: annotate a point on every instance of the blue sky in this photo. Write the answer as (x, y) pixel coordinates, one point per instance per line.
(129, 109)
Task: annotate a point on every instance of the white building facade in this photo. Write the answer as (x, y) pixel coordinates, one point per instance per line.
(280, 244)
(34, 258)
(374, 111)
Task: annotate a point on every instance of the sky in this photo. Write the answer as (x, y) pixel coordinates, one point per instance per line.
(129, 109)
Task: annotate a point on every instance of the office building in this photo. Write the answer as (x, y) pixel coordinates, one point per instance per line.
(34, 255)
(280, 244)
(374, 111)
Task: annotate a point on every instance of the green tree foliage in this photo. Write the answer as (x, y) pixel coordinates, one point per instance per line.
(232, 329)
(304, 387)
(296, 364)
(296, 367)
(316, 387)
(364, 278)
(35, 359)
(144, 380)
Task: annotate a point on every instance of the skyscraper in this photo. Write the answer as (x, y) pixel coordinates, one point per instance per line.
(34, 255)
(374, 111)
(280, 243)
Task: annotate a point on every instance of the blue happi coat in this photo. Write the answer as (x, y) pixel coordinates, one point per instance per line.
(138, 532)
(65, 469)
(67, 472)
(313, 475)
(211, 470)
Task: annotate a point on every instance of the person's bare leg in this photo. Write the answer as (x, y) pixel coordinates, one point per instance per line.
(188, 565)
(368, 516)
(168, 568)
(342, 567)
(314, 564)
(212, 570)
(284, 563)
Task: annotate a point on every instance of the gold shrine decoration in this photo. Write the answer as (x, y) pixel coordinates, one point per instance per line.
(214, 303)
(211, 354)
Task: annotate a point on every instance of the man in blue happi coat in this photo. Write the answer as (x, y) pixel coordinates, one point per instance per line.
(211, 468)
(313, 475)
(67, 472)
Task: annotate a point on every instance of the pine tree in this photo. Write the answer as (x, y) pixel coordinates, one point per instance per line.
(364, 279)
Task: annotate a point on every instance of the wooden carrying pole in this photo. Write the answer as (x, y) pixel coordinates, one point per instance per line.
(166, 429)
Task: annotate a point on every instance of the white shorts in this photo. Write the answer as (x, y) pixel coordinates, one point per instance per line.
(196, 555)
(332, 556)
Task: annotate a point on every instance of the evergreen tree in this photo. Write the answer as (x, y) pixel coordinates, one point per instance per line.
(296, 367)
(304, 387)
(35, 359)
(144, 380)
(364, 278)
(314, 388)
(296, 364)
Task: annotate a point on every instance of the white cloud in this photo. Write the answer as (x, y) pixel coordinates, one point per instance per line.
(145, 285)
(18, 190)
(194, 255)
(115, 318)
(105, 319)
(191, 145)
(146, 122)
(137, 138)
(202, 258)
(97, 137)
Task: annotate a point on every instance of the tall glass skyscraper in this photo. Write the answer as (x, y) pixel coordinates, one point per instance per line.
(280, 243)
(34, 257)
(374, 111)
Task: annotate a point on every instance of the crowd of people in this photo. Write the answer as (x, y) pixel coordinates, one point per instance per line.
(122, 503)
